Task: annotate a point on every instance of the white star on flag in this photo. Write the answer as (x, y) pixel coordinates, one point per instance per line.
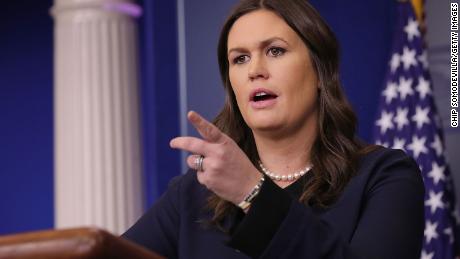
(417, 146)
(408, 58)
(385, 122)
(430, 231)
(412, 29)
(399, 143)
(435, 201)
(437, 172)
(394, 63)
(380, 143)
(405, 87)
(423, 59)
(421, 116)
(401, 117)
(425, 255)
(423, 87)
(391, 92)
(437, 145)
(450, 234)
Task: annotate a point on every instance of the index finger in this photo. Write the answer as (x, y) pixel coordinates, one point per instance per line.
(206, 129)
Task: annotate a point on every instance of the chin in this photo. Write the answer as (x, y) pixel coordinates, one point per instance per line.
(266, 126)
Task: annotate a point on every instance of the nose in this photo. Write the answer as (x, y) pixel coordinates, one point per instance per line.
(257, 69)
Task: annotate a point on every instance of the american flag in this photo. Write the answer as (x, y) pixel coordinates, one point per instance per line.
(408, 120)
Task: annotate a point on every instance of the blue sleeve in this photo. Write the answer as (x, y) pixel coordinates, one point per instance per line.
(390, 224)
(158, 228)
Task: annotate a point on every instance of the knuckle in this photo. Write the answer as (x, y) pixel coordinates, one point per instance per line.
(215, 165)
(210, 165)
(218, 164)
(220, 153)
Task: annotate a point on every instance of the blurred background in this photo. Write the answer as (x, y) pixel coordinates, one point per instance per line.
(178, 71)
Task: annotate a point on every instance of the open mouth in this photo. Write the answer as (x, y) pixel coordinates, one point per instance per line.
(262, 95)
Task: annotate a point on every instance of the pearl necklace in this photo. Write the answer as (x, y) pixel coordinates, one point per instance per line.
(288, 177)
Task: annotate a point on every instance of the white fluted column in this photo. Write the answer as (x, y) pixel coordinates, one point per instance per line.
(96, 114)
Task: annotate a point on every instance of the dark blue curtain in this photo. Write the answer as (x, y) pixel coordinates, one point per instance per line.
(160, 96)
(26, 116)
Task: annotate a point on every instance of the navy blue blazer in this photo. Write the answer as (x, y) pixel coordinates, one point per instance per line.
(380, 214)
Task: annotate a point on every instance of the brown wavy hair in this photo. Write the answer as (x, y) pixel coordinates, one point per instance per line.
(336, 150)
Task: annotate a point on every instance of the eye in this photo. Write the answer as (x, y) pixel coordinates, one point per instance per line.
(241, 59)
(275, 51)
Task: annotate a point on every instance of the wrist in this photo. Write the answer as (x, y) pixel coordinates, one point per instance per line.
(247, 200)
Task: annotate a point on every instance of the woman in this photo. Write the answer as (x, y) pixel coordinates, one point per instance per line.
(281, 174)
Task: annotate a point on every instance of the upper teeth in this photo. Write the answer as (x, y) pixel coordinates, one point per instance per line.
(261, 94)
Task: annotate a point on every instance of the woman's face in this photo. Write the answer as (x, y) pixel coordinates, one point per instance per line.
(271, 74)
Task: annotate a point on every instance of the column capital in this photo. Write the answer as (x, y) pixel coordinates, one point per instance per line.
(126, 7)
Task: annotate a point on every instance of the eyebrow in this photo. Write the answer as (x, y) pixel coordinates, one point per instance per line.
(262, 44)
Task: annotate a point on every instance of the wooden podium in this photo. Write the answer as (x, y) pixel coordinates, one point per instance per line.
(81, 243)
